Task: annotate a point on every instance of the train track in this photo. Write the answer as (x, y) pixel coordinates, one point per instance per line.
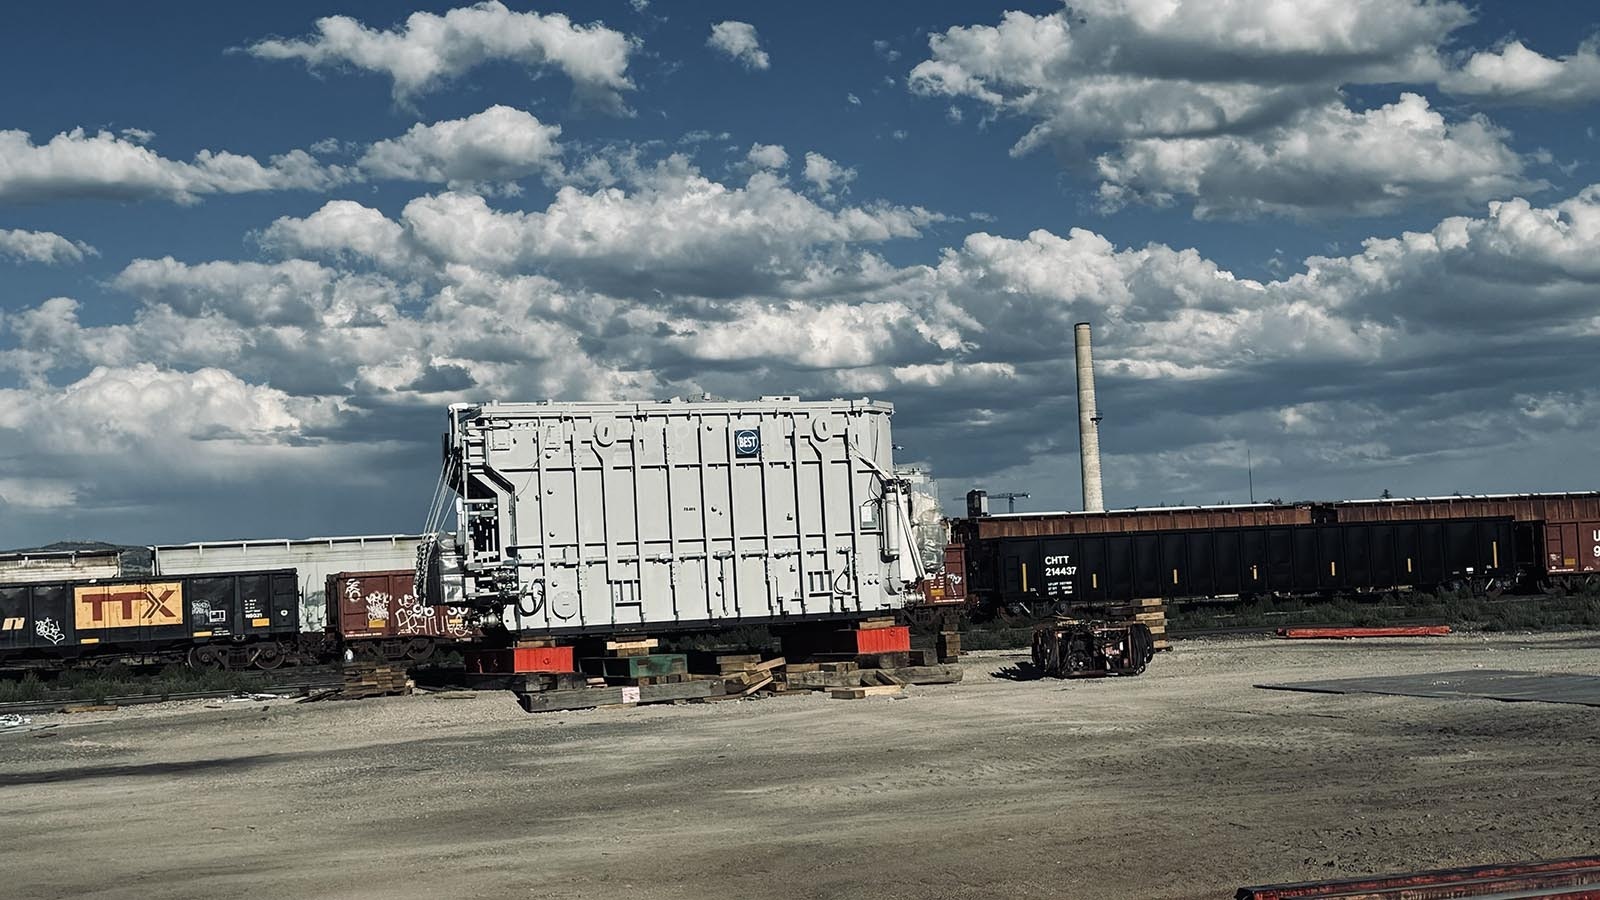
(1177, 633)
(52, 704)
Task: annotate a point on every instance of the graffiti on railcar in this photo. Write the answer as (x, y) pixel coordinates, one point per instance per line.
(49, 629)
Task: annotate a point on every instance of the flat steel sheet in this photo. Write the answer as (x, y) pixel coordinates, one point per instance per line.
(1485, 684)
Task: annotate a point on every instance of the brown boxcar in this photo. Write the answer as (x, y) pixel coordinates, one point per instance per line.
(1570, 536)
(382, 608)
(1116, 521)
(950, 585)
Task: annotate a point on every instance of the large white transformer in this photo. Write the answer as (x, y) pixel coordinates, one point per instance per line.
(594, 517)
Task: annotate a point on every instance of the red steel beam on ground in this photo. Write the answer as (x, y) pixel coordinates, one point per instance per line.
(1387, 631)
(1569, 879)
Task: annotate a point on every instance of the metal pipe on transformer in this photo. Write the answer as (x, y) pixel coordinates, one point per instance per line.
(1088, 421)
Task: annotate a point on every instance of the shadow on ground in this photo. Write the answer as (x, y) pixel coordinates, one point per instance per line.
(1022, 671)
(161, 769)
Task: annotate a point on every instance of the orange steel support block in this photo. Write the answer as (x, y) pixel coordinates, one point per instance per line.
(895, 639)
(519, 660)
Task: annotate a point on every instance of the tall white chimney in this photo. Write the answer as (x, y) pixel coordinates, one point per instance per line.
(1088, 421)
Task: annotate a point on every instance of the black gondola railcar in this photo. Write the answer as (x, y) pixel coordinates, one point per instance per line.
(1296, 560)
(231, 620)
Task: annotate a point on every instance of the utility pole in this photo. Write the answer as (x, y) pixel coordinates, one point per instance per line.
(1250, 473)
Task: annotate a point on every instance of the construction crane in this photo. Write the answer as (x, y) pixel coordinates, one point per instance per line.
(1011, 499)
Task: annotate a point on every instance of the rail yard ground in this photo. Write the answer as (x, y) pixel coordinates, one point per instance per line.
(1185, 782)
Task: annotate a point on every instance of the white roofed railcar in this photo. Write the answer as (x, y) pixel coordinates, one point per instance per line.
(314, 559)
(45, 566)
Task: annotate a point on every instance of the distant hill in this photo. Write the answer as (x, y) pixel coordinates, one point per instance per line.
(66, 546)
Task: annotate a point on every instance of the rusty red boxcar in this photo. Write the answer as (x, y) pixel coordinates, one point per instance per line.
(1117, 521)
(1571, 521)
(948, 587)
(378, 614)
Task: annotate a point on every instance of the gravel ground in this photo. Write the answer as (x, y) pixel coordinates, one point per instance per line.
(1184, 782)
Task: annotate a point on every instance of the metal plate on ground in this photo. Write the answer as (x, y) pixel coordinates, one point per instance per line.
(1486, 684)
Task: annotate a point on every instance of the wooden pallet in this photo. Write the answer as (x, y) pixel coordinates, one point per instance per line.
(362, 680)
(747, 673)
(632, 648)
(820, 680)
(589, 698)
(862, 693)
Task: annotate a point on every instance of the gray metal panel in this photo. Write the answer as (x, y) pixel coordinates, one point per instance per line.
(605, 515)
(314, 559)
(1487, 684)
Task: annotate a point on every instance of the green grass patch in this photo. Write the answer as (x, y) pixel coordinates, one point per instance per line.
(106, 683)
(1506, 613)
(990, 636)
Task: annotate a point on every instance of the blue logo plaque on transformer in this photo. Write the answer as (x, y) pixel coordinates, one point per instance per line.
(746, 443)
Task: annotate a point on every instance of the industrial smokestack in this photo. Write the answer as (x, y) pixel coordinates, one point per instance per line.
(1088, 421)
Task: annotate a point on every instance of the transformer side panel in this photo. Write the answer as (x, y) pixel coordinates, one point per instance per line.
(627, 516)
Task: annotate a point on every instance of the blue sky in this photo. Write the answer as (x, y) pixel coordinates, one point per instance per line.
(195, 345)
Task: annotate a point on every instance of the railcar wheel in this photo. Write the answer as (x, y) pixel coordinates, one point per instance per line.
(269, 656)
(419, 649)
(206, 657)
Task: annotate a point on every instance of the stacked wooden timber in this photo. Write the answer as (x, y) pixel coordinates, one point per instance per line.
(875, 683)
(620, 695)
(637, 647)
(1152, 612)
(632, 673)
(829, 676)
(745, 674)
(948, 646)
(363, 680)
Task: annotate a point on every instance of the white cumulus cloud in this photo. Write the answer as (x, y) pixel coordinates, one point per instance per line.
(767, 156)
(826, 174)
(1516, 74)
(739, 41)
(1329, 160)
(499, 144)
(430, 49)
(1239, 106)
(75, 164)
(42, 247)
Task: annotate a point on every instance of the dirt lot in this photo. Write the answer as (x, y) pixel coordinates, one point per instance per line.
(1184, 782)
